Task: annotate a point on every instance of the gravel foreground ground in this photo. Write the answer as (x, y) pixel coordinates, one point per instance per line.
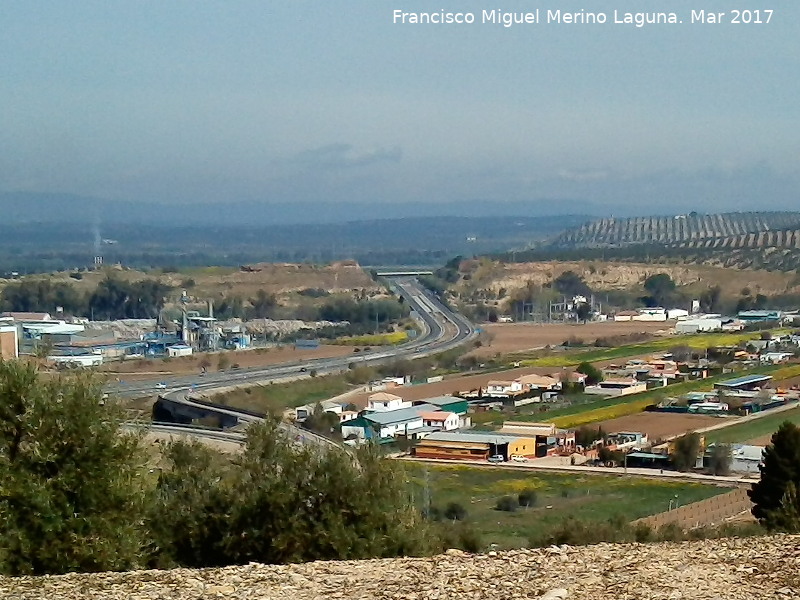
(730, 569)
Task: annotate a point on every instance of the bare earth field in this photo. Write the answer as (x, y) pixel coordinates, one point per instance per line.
(519, 337)
(658, 425)
(149, 369)
(761, 440)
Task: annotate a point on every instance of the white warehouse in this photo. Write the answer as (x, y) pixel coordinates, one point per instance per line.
(698, 325)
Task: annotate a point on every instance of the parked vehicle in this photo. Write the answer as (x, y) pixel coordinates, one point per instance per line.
(518, 458)
(161, 385)
(497, 458)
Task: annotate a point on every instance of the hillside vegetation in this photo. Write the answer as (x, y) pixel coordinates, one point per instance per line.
(732, 240)
(693, 230)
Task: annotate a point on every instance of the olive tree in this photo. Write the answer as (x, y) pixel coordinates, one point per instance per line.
(72, 483)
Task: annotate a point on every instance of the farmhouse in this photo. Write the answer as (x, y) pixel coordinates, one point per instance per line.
(446, 421)
(528, 383)
(385, 402)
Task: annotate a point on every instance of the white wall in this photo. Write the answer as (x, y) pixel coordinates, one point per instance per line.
(388, 406)
(392, 429)
(695, 325)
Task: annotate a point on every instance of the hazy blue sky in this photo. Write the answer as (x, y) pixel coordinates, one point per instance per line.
(328, 100)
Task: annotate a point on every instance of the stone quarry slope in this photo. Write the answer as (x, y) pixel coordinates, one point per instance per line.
(730, 569)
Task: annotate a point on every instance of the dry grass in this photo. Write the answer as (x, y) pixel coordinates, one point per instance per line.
(215, 282)
(601, 275)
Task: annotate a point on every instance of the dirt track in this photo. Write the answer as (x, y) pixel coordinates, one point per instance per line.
(520, 337)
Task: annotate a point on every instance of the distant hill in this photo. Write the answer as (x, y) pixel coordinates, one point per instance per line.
(758, 240)
(725, 230)
(28, 207)
(45, 246)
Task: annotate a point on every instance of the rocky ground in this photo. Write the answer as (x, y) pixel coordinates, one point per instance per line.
(730, 569)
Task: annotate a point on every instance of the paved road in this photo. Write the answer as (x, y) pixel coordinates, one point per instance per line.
(443, 329)
(555, 467)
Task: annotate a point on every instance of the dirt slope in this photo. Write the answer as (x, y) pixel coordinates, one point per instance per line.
(734, 569)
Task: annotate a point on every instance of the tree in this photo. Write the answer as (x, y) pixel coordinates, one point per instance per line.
(321, 421)
(583, 311)
(780, 468)
(685, 450)
(263, 304)
(115, 298)
(593, 374)
(586, 436)
(709, 299)
(719, 460)
(660, 288)
(571, 284)
(681, 353)
(73, 492)
(280, 502)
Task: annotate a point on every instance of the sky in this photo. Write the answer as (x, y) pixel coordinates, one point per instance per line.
(330, 101)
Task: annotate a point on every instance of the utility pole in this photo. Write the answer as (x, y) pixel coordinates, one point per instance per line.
(426, 497)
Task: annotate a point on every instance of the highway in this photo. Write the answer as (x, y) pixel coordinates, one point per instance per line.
(442, 329)
(435, 318)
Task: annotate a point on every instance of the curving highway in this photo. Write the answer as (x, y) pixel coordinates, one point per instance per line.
(442, 329)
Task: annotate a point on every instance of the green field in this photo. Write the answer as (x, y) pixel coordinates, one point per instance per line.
(697, 342)
(590, 497)
(749, 430)
(275, 397)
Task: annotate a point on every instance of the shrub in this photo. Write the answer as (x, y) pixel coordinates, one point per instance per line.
(455, 512)
(278, 502)
(470, 540)
(527, 498)
(507, 504)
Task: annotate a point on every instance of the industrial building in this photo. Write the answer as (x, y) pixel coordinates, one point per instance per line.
(744, 383)
(698, 325)
(760, 316)
(471, 445)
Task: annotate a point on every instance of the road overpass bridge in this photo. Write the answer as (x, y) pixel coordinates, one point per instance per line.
(402, 273)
